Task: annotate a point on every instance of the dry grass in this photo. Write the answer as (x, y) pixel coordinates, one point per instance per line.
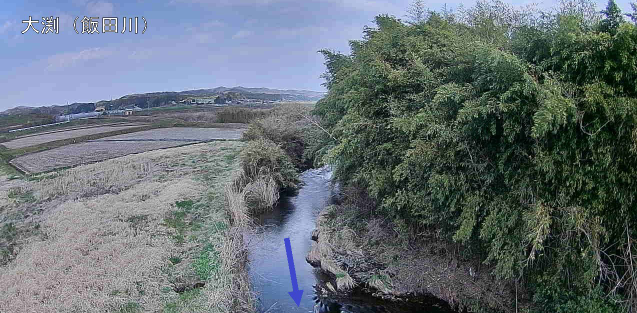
(94, 179)
(235, 197)
(261, 194)
(345, 282)
(206, 116)
(240, 115)
(110, 147)
(107, 244)
(231, 291)
(93, 253)
(377, 283)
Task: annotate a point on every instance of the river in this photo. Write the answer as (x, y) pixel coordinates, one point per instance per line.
(295, 217)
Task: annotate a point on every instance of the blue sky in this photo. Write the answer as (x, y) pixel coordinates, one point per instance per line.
(188, 44)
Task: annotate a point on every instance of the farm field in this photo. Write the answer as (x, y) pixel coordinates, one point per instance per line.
(179, 133)
(117, 146)
(62, 134)
(148, 232)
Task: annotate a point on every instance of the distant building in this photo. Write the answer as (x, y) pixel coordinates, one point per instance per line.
(115, 112)
(202, 100)
(70, 117)
(100, 108)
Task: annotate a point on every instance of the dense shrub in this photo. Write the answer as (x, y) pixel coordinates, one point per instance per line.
(512, 132)
(262, 193)
(263, 158)
(290, 126)
(240, 115)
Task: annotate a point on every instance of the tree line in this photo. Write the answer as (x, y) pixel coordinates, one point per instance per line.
(511, 131)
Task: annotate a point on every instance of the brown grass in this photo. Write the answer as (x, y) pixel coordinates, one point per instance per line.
(89, 152)
(47, 137)
(261, 194)
(231, 292)
(95, 179)
(105, 244)
(240, 115)
(345, 282)
(235, 197)
(92, 252)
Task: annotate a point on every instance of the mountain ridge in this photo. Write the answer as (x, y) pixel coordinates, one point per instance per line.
(154, 99)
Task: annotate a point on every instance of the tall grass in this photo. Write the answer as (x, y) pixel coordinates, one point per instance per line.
(293, 128)
(240, 115)
(262, 193)
(262, 158)
(265, 169)
(105, 245)
(235, 198)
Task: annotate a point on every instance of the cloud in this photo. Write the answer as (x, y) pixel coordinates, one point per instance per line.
(378, 6)
(242, 34)
(227, 2)
(301, 31)
(100, 8)
(205, 27)
(4, 27)
(70, 59)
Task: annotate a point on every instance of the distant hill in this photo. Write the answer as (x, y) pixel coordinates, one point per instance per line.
(158, 99)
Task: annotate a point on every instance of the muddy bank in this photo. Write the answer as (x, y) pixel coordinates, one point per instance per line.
(370, 255)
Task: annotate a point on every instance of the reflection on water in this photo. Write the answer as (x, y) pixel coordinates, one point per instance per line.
(295, 217)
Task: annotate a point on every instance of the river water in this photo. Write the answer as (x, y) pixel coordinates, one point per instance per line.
(295, 217)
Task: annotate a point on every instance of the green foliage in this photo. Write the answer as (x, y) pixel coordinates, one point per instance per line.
(131, 307)
(613, 18)
(8, 232)
(207, 262)
(508, 131)
(551, 298)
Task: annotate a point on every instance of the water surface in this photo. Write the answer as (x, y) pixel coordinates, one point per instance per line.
(295, 217)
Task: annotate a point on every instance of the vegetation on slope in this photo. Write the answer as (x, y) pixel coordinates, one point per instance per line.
(278, 145)
(510, 132)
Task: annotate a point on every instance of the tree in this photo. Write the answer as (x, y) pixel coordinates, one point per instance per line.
(513, 139)
(633, 16)
(220, 99)
(613, 18)
(417, 12)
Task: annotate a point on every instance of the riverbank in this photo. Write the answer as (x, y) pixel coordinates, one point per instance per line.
(369, 254)
(146, 232)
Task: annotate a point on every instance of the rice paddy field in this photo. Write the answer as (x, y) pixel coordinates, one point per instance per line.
(117, 146)
(62, 134)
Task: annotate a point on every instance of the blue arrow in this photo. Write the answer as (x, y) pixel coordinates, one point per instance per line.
(296, 294)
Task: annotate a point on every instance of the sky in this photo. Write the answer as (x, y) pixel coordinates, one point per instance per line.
(188, 44)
